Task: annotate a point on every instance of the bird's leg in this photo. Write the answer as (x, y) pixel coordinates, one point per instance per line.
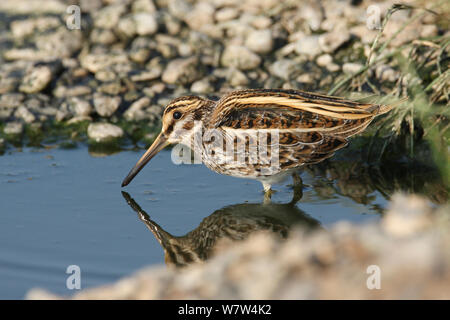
(267, 193)
(298, 187)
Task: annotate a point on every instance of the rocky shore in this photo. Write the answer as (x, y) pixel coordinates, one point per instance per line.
(129, 58)
(405, 256)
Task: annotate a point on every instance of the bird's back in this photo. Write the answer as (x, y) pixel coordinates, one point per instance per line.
(296, 127)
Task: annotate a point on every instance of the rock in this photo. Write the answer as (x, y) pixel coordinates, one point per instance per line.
(240, 57)
(428, 30)
(179, 8)
(145, 24)
(173, 24)
(351, 67)
(127, 27)
(407, 216)
(324, 60)
(367, 36)
(80, 107)
(103, 36)
(63, 91)
(23, 113)
(261, 22)
(237, 78)
(36, 79)
(11, 100)
(260, 41)
(146, 6)
(63, 43)
(225, 14)
(13, 128)
(202, 86)
(140, 54)
(108, 17)
(104, 132)
(283, 68)
(313, 15)
(62, 115)
(8, 84)
(113, 88)
(331, 41)
(26, 7)
(90, 5)
(96, 62)
(183, 71)
(23, 28)
(106, 105)
(147, 75)
(387, 73)
(333, 67)
(201, 17)
(135, 112)
(106, 75)
(305, 78)
(308, 45)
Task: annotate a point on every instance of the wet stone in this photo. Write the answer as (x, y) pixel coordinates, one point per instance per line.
(104, 132)
(136, 110)
(80, 107)
(13, 128)
(23, 113)
(106, 105)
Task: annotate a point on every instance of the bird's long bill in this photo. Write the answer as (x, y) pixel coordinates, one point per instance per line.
(159, 144)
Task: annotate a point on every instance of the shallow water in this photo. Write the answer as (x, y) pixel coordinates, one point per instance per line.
(65, 207)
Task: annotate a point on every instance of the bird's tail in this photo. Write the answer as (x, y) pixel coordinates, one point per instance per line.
(385, 108)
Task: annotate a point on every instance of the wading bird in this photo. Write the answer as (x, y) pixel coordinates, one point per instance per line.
(262, 134)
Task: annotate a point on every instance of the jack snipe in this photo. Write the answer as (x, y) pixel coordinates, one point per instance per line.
(291, 129)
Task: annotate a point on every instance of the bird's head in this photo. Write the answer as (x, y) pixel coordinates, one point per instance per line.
(178, 123)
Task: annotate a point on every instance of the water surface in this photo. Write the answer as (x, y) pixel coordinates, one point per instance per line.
(65, 207)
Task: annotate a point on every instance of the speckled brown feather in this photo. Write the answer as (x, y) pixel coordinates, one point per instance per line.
(292, 109)
(311, 127)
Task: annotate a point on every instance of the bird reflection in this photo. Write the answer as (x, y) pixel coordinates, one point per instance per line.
(235, 222)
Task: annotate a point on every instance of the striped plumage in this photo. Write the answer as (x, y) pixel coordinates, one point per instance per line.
(309, 128)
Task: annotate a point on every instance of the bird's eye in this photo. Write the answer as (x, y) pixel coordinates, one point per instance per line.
(177, 115)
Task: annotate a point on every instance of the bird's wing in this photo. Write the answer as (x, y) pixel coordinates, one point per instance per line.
(293, 109)
(273, 150)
